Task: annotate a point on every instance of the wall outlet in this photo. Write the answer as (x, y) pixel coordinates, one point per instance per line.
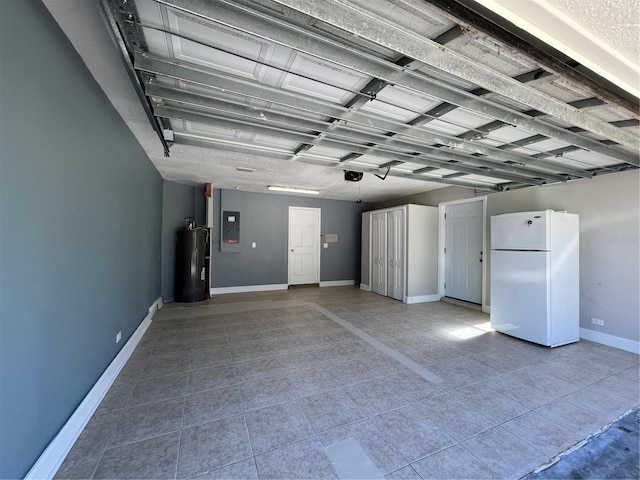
(597, 321)
(118, 336)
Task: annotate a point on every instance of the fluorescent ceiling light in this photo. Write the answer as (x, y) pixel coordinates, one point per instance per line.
(293, 190)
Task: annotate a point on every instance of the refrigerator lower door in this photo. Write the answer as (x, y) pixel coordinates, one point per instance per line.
(520, 294)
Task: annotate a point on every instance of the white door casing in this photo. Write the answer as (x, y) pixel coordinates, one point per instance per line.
(463, 251)
(395, 254)
(304, 245)
(379, 253)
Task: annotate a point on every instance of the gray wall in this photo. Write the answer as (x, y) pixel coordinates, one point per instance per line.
(609, 224)
(80, 233)
(178, 202)
(432, 197)
(264, 220)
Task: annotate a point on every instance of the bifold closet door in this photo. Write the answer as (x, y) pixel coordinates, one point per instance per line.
(379, 253)
(395, 254)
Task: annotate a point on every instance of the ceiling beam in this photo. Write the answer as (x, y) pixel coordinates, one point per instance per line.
(308, 138)
(411, 45)
(371, 27)
(200, 141)
(295, 122)
(375, 86)
(251, 89)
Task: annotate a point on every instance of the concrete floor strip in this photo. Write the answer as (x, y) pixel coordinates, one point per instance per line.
(377, 344)
(351, 461)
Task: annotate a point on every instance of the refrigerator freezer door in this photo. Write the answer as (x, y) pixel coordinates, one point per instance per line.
(520, 294)
(521, 231)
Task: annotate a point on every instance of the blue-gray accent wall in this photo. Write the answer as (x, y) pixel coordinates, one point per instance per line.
(178, 202)
(80, 231)
(265, 220)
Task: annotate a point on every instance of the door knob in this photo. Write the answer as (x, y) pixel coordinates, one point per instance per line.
(292, 249)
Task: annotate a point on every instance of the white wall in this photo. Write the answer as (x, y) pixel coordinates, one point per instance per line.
(609, 208)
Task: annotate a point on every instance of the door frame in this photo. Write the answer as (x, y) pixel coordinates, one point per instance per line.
(441, 244)
(319, 210)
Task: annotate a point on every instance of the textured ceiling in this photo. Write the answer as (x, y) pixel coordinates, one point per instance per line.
(603, 35)
(614, 22)
(248, 94)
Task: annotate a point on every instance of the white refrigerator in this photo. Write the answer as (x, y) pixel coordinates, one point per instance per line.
(535, 276)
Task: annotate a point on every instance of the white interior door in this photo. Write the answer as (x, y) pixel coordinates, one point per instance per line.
(395, 254)
(304, 245)
(379, 253)
(463, 251)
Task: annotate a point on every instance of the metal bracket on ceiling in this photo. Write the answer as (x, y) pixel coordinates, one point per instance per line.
(385, 175)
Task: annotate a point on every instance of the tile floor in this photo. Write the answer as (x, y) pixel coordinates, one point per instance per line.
(265, 385)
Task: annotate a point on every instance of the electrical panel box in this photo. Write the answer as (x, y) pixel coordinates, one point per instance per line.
(231, 227)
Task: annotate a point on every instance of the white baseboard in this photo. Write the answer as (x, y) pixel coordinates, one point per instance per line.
(49, 462)
(422, 299)
(155, 306)
(365, 287)
(248, 288)
(338, 283)
(610, 340)
(486, 309)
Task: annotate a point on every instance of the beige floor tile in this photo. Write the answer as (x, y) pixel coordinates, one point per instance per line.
(413, 435)
(412, 387)
(380, 451)
(452, 463)
(504, 453)
(595, 399)
(572, 417)
(243, 470)
(331, 409)
(541, 433)
(375, 397)
(154, 458)
(213, 445)
(276, 426)
(303, 460)
(284, 364)
(405, 473)
(521, 391)
(265, 392)
(454, 416)
(488, 402)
